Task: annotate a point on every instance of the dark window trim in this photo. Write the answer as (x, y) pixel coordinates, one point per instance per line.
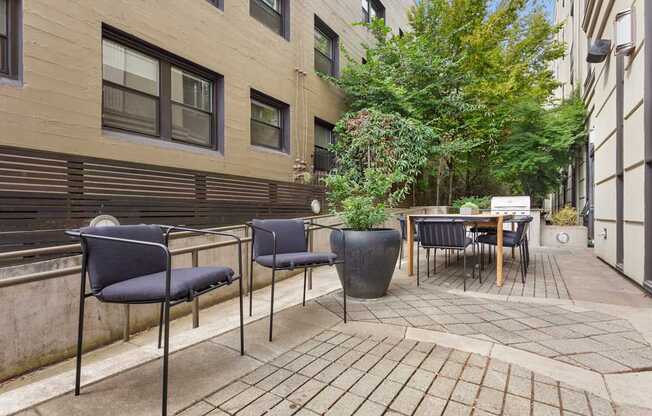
(285, 120)
(335, 39)
(166, 61)
(284, 14)
(14, 40)
(217, 3)
(329, 126)
(378, 8)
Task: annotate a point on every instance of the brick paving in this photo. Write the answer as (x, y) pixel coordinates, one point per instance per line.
(591, 340)
(338, 374)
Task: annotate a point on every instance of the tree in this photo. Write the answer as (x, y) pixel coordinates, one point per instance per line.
(461, 70)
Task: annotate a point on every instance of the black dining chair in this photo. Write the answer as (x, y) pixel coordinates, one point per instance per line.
(283, 245)
(131, 264)
(512, 239)
(445, 234)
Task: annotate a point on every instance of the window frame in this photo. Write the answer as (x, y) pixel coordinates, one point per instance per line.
(166, 61)
(217, 3)
(13, 41)
(320, 122)
(284, 110)
(325, 30)
(284, 14)
(378, 8)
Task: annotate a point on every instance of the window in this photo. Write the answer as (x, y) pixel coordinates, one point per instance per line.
(150, 92)
(217, 3)
(324, 160)
(274, 14)
(269, 122)
(326, 49)
(372, 9)
(9, 38)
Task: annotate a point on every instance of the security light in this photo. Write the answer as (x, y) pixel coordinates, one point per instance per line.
(625, 25)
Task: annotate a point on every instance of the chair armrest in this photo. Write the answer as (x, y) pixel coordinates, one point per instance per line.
(329, 227)
(170, 228)
(266, 230)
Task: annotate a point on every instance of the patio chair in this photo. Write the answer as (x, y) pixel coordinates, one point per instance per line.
(512, 239)
(132, 265)
(403, 223)
(283, 245)
(446, 234)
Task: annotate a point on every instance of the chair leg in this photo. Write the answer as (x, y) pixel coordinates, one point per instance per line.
(523, 267)
(418, 260)
(241, 320)
(464, 260)
(271, 305)
(434, 262)
(305, 280)
(400, 255)
(160, 325)
(166, 353)
(427, 263)
(80, 327)
(251, 283)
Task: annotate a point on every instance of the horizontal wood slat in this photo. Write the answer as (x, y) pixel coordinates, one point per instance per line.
(44, 193)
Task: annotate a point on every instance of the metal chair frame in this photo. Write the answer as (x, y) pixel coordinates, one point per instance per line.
(165, 305)
(256, 228)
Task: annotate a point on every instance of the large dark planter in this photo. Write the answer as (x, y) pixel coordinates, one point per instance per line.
(370, 260)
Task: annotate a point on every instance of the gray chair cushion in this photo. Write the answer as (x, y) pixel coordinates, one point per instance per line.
(111, 262)
(292, 260)
(290, 237)
(509, 240)
(151, 287)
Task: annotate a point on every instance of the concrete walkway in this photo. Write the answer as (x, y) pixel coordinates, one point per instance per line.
(425, 351)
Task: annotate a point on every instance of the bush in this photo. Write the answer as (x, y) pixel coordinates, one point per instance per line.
(565, 216)
(378, 156)
(480, 202)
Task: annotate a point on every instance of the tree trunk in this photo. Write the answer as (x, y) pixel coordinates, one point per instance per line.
(439, 177)
(450, 183)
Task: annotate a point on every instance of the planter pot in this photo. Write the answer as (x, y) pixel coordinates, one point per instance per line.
(469, 211)
(370, 260)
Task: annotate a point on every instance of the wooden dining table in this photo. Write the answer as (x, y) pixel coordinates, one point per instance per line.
(480, 220)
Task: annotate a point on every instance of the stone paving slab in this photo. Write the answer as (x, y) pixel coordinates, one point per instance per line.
(585, 338)
(404, 378)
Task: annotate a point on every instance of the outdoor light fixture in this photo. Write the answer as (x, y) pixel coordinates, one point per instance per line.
(625, 32)
(104, 221)
(598, 51)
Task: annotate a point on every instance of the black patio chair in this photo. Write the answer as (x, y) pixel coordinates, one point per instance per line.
(403, 224)
(513, 239)
(283, 245)
(445, 234)
(132, 265)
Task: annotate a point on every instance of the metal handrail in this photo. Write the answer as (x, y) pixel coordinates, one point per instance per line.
(51, 274)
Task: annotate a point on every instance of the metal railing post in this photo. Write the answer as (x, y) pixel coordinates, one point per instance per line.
(195, 301)
(245, 263)
(310, 247)
(126, 328)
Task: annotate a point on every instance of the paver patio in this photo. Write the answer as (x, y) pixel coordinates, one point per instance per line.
(430, 350)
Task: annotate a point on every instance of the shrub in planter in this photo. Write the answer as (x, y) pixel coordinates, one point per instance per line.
(378, 156)
(469, 208)
(566, 216)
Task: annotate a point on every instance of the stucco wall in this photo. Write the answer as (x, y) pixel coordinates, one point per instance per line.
(58, 107)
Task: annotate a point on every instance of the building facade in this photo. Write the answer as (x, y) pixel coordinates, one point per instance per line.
(218, 87)
(609, 180)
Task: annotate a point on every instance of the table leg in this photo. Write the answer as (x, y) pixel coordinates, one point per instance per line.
(499, 251)
(410, 244)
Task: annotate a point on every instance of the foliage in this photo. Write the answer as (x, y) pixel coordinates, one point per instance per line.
(378, 157)
(540, 145)
(462, 69)
(565, 216)
(481, 202)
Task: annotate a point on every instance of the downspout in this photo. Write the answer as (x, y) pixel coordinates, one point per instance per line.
(647, 108)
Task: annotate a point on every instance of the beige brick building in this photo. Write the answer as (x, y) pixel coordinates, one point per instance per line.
(197, 62)
(609, 179)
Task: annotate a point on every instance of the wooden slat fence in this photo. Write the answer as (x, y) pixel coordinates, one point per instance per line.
(44, 193)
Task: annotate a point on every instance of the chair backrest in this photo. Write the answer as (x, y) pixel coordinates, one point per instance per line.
(403, 224)
(522, 222)
(442, 233)
(290, 237)
(111, 262)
